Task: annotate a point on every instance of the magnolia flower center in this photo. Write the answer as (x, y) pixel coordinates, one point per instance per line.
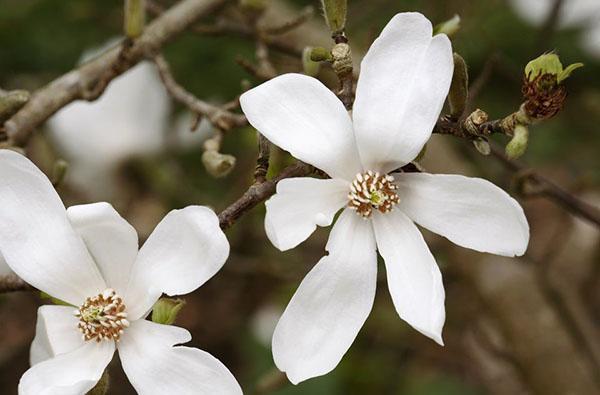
(102, 317)
(372, 191)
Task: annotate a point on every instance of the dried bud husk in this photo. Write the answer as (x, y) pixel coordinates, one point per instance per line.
(135, 17)
(475, 120)
(543, 90)
(335, 14)
(320, 54)
(11, 102)
(342, 59)
(459, 89)
(217, 164)
(449, 27)
(165, 310)
(518, 144)
(309, 66)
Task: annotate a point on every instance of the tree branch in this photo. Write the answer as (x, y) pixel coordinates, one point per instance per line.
(219, 117)
(543, 186)
(74, 85)
(259, 192)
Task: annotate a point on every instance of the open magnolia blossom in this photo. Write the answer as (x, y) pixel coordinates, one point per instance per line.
(404, 80)
(573, 13)
(87, 256)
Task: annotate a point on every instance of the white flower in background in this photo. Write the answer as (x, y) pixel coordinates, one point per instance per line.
(263, 323)
(130, 118)
(573, 13)
(88, 257)
(183, 137)
(403, 83)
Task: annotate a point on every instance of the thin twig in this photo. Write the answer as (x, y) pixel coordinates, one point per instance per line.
(227, 28)
(306, 13)
(258, 193)
(219, 117)
(549, 26)
(74, 85)
(546, 188)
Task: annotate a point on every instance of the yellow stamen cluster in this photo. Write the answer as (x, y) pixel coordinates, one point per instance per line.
(102, 317)
(371, 190)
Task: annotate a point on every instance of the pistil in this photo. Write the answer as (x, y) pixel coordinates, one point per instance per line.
(102, 317)
(372, 191)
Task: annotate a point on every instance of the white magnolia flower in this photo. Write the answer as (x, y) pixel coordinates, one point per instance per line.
(404, 80)
(88, 257)
(129, 119)
(573, 13)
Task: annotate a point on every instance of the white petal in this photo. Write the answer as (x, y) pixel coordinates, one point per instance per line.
(572, 13)
(154, 366)
(404, 80)
(299, 114)
(111, 240)
(301, 204)
(185, 250)
(73, 373)
(414, 279)
(591, 38)
(535, 12)
(55, 333)
(130, 118)
(331, 304)
(36, 238)
(470, 212)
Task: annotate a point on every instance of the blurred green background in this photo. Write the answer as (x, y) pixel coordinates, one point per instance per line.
(43, 39)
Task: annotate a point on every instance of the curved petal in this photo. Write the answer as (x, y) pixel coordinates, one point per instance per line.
(55, 333)
(111, 240)
(185, 250)
(36, 238)
(590, 40)
(154, 366)
(299, 114)
(414, 279)
(301, 204)
(72, 373)
(331, 304)
(404, 81)
(470, 212)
